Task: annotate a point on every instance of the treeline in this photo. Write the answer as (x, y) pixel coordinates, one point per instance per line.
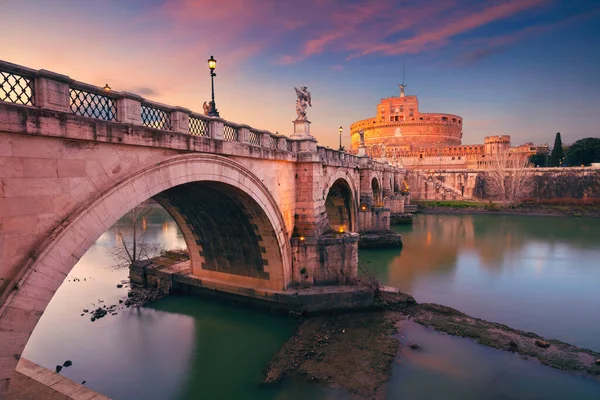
(582, 152)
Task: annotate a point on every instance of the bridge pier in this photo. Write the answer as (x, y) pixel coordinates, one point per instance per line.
(330, 259)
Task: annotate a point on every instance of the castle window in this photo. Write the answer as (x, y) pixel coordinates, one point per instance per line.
(452, 158)
(421, 118)
(459, 158)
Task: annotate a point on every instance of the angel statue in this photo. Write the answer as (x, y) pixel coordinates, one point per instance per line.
(206, 107)
(361, 134)
(301, 102)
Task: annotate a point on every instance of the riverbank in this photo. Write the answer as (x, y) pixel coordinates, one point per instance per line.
(566, 208)
(355, 351)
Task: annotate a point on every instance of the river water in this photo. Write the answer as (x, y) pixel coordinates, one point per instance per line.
(532, 273)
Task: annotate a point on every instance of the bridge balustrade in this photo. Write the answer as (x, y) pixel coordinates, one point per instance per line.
(155, 117)
(199, 126)
(88, 101)
(49, 90)
(254, 138)
(17, 85)
(230, 133)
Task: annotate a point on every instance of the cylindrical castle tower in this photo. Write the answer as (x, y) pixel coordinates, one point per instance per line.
(496, 144)
(400, 124)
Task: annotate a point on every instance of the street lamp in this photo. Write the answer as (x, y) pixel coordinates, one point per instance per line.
(212, 65)
(341, 129)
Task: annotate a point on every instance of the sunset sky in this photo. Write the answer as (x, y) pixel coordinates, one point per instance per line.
(526, 68)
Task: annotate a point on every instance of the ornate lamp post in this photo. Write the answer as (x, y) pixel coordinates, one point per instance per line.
(341, 129)
(212, 65)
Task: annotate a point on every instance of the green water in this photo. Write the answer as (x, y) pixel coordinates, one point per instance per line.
(539, 274)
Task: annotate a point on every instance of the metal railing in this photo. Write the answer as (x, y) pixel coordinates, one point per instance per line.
(15, 88)
(26, 86)
(94, 105)
(254, 138)
(199, 127)
(230, 133)
(156, 118)
(268, 141)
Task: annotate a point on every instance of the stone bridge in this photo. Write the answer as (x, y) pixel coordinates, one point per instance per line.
(261, 213)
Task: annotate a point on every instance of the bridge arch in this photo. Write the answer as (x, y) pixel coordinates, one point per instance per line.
(341, 203)
(77, 233)
(377, 191)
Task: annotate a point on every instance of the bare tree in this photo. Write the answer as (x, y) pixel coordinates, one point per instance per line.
(509, 178)
(130, 233)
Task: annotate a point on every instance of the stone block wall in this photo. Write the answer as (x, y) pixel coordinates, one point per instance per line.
(326, 260)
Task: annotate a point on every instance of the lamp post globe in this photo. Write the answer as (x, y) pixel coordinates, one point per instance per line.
(341, 129)
(212, 65)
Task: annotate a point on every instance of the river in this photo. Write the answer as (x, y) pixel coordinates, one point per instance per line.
(532, 273)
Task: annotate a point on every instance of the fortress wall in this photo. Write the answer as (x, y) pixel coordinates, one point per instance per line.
(549, 183)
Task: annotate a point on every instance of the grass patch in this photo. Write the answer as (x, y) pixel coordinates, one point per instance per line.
(452, 204)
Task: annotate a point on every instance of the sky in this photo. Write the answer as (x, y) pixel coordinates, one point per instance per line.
(525, 68)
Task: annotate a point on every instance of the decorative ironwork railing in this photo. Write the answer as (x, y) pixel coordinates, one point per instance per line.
(94, 105)
(199, 127)
(156, 118)
(254, 138)
(15, 88)
(269, 141)
(230, 133)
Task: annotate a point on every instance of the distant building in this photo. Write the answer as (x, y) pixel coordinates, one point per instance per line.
(404, 135)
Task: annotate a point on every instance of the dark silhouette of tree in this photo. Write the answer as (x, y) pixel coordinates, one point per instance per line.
(584, 152)
(131, 241)
(557, 154)
(539, 160)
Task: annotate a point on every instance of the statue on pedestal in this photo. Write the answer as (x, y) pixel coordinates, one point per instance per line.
(301, 102)
(361, 133)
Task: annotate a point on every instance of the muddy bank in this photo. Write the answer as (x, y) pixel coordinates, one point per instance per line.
(355, 351)
(553, 353)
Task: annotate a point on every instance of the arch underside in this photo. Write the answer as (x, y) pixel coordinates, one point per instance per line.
(339, 206)
(376, 190)
(225, 229)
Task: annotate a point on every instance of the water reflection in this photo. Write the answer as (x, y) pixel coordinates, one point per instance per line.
(447, 367)
(504, 269)
(534, 273)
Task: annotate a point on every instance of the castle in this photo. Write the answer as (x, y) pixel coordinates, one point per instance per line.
(404, 136)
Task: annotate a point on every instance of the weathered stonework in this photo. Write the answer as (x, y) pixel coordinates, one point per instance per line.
(242, 197)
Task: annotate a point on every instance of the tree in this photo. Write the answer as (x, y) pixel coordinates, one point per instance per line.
(131, 241)
(539, 160)
(584, 152)
(557, 155)
(509, 178)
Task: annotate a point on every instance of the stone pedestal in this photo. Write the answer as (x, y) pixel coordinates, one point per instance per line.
(301, 129)
(362, 151)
